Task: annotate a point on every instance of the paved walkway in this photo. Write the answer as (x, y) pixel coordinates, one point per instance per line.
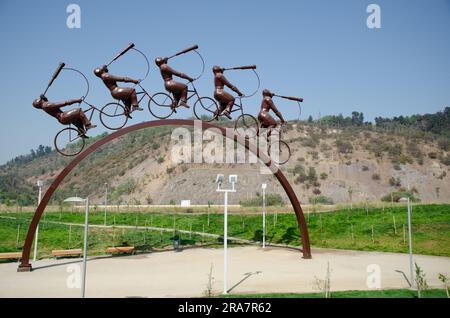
(185, 274)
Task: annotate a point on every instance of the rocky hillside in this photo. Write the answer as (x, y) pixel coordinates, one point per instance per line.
(329, 163)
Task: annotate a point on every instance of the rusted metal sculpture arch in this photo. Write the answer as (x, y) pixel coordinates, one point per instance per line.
(25, 262)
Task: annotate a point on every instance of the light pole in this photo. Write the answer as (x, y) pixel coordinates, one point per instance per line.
(86, 228)
(106, 200)
(231, 179)
(39, 184)
(411, 269)
(263, 187)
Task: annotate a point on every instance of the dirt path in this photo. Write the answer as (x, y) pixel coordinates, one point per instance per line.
(185, 274)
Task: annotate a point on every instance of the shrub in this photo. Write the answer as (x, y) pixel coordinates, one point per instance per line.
(344, 146)
(320, 199)
(169, 170)
(298, 169)
(272, 199)
(314, 155)
(432, 155)
(397, 195)
(444, 144)
(376, 177)
(365, 168)
(395, 182)
(312, 142)
(445, 160)
(323, 176)
(316, 191)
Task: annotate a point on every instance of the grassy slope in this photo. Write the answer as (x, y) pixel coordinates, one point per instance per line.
(388, 293)
(431, 225)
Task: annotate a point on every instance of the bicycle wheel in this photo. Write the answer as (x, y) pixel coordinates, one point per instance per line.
(246, 125)
(68, 143)
(112, 116)
(283, 155)
(160, 105)
(205, 108)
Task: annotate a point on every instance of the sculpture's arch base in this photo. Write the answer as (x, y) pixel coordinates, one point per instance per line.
(25, 262)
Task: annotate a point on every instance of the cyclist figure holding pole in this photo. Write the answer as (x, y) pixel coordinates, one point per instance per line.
(74, 116)
(126, 94)
(267, 105)
(225, 99)
(178, 90)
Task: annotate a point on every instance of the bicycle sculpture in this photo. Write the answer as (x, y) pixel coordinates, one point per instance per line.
(70, 141)
(119, 111)
(203, 105)
(227, 102)
(268, 122)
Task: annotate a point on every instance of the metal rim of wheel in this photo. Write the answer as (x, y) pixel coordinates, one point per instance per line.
(205, 106)
(113, 110)
(78, 144)
(246, 121)
(162, 105)
(284, 153)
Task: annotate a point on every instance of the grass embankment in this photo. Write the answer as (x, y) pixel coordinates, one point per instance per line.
(357, 229)
(387, 293)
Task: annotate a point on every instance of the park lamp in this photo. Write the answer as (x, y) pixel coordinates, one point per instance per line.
(233, 180)
(85, 243)
(264, 186)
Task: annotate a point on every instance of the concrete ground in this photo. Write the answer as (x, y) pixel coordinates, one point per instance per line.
(185, 274)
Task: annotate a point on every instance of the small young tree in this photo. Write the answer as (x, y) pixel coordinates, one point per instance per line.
(323, 285)
(444, 279)
(209, 290)
(421, 282)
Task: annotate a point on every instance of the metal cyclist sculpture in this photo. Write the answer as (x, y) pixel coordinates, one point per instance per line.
(178, 90)
(115, 115)
(75, 116)
(267, 122)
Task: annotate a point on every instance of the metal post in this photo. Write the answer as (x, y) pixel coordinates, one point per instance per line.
(37, 228)
(106, 200)
(411, 269)
(86, 224)
(225, 243)
(264, 217)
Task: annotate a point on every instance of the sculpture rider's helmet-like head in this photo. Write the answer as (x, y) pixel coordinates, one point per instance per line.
(217, 69)
(37, 103)
(161, 60)
(267, 93)
(100, 70)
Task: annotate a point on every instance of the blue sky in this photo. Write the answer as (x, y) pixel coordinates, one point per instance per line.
(319, 50)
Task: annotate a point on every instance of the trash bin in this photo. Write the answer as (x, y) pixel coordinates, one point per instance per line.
(176, 243)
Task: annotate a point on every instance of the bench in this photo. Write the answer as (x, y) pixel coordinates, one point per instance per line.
(11, 255)
(120, 250)
(66, 253)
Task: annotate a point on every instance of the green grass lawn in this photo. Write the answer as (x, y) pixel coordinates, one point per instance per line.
(343, 229)
(387, 293)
